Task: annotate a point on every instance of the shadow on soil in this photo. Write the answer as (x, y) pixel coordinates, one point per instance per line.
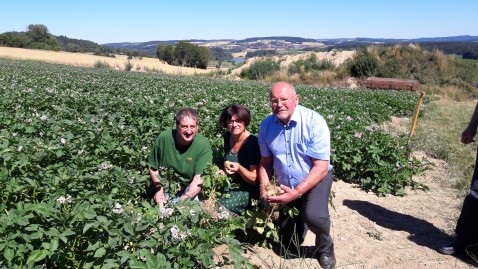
(421, 232)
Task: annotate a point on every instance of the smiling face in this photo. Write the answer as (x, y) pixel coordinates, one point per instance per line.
(235, 125)
(187, 129)
(284, 99)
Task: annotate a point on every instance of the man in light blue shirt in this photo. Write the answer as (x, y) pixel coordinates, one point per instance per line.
(295, 148)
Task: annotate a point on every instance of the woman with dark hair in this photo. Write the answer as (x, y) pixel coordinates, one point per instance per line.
(241, 158)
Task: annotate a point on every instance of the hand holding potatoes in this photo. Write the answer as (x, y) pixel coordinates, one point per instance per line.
(273, 190)
(231, 167)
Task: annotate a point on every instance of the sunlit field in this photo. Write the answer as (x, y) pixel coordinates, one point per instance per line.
(74, 144)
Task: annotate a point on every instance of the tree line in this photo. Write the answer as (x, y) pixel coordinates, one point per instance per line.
(37, 36)
(184, 54)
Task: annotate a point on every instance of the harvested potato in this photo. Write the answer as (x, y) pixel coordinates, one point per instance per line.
(273, 190)
(228, 164)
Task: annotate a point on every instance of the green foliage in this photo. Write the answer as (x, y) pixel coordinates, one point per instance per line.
(187, 54)
(73, 166)
(128, 66)
(165, 53)
(260, 228)
(310, 64)
(387, 169)
(14, 39)
(102, 64)
(431, 68)
(79, 45)
(363, 65)
(220, 55)
(171, 181)
(261, 69)
(41, 38)
(215, 184)
(261, 53)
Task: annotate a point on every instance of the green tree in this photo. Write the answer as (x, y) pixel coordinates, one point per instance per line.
(203, 55)
(160, 49)
(165, 53)
(14, 39)
(38, 32)
(183, 53)
(187, 54)
(169, 54)
(41, 38)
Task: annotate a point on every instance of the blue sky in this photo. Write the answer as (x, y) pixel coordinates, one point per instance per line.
(106, 21)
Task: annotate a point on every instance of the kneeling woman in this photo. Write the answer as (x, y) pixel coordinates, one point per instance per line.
(242, 156)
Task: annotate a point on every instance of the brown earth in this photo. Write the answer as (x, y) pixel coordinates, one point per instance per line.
(368, 231)
(387, 232)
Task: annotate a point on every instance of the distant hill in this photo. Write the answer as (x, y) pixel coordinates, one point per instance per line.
(462, 38)
(450, 44)
(148, 44)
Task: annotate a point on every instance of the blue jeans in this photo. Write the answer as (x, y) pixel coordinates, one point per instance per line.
(178, 195)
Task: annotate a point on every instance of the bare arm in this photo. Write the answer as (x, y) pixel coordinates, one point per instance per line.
(470, 132)
(265, 173)
(249, 175)
(194, 188)
(318, 172)
(159, 195)
(154, 175)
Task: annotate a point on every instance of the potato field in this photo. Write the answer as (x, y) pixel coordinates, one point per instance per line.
(73, 162)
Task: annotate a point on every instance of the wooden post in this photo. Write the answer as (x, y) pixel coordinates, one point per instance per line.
(415, 118)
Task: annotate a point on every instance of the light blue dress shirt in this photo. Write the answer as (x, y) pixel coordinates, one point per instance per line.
(292, 146)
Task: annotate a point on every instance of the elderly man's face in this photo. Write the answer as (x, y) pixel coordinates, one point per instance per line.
(283, 102)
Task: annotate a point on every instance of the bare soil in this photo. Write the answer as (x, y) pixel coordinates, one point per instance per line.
(387, 232)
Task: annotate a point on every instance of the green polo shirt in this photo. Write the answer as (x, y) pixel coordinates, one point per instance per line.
(186, 161)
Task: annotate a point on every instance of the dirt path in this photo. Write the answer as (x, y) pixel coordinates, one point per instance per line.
(387, 232)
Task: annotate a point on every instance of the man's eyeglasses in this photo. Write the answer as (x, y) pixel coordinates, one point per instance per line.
(275, 101)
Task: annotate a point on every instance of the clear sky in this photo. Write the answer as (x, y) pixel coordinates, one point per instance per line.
(107, 21)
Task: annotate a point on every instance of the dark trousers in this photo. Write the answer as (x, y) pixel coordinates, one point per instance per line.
(474, 179)
(467, 225)
(313, 209)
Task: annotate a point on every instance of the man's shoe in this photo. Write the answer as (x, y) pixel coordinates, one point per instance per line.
(450, 249)
(327, 258)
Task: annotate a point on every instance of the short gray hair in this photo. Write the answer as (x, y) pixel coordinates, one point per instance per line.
(187, 112)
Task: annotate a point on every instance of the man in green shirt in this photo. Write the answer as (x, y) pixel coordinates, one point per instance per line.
(184, 150)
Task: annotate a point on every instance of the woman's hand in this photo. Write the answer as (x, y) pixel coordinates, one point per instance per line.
(231, 167)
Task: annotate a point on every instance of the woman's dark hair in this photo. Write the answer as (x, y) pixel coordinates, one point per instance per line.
(240, 111)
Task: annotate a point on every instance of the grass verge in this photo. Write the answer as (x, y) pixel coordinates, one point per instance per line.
(438, 133)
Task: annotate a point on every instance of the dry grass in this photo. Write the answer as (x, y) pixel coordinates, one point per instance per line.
(438, 132)
(89, 60)
(446, 93)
